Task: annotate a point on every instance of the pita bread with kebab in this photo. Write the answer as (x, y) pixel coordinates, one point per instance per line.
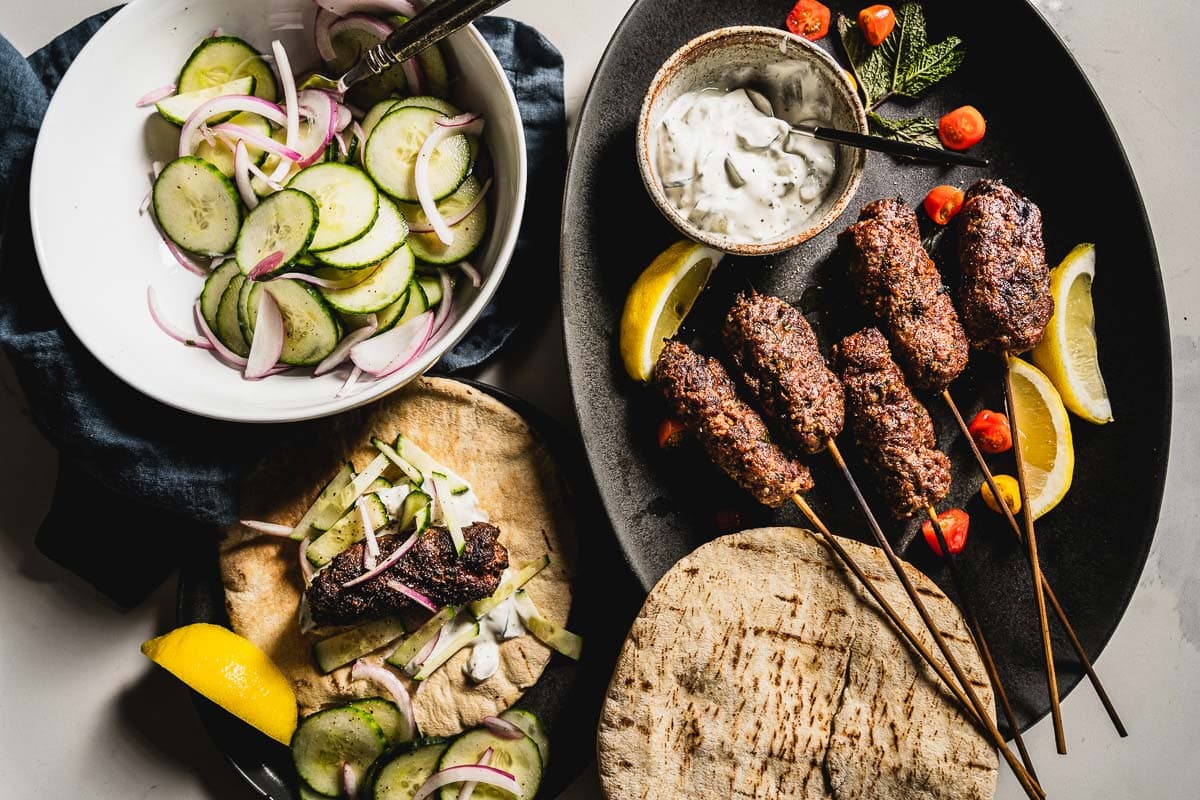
(760, 668)
(518, 486)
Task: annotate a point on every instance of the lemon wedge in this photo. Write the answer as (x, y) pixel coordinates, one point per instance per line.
(232, 672)
(658, 302)
(1046, 447)
(1067, 352)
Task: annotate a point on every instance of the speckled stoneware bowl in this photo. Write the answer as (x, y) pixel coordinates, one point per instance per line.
(708, 60)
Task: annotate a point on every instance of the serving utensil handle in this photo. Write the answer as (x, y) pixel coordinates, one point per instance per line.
(427, 28)
(932, 155)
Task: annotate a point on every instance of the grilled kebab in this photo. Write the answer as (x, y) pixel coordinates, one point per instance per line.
(891, 426)
(431, 567)
(1005, 293)
(774, 351)
(900, 285)
(701, 394)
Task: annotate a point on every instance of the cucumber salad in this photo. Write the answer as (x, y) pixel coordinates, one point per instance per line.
(373, 747)
(326, 227)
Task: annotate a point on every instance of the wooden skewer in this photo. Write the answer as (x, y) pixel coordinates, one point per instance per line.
(977, 630)
(1050, 596)
(1027, 781)
(1060, 739)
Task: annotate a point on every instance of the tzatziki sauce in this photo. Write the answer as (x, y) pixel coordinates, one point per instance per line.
(731, 167)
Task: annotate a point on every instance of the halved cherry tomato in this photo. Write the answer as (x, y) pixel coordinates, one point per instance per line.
(809, 19)
(876, 22)
(954, 524)
(961, 128)
(1010, 490)
(991, 432)
(670, 432)
(943, 202)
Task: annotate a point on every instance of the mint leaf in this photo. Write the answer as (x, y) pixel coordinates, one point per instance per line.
(918, 130)
(904, 63)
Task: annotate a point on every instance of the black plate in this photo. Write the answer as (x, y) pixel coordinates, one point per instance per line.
(662, 504)
(567, 697)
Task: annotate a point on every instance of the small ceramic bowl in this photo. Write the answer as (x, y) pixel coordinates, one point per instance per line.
(717, 58)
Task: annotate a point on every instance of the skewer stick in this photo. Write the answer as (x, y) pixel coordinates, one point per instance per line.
(1050, 596)
(1027, 782)
(977, 630)
(1060, 739)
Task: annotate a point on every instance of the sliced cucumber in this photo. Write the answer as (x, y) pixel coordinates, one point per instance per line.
(227, 327)
(311, 329)
(417, 304)
(346, 498)
(400, 778)
(221, 156)
(197, 206)
(468, 233)
(433, 65)
(245, 289)
(306, 793)
(408, 649)
(340, 650)
(178, 107)
(214, 288)
(432, 289)
(387, 716)
(388, 317)
(385, 236)
(518, 757)
(480, 608)
(427, 101)
(284, 222)
(383, 287)
(328, 739)
(348, 202)
(531, 726)
(347, 531)
(376, 113)
(556, 638)
(322, 515)
(220, 59)
(411, 473)
(392, 148)
(416, 511)
(444, 652)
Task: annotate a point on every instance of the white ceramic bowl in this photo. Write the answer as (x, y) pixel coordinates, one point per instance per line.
(98, 255)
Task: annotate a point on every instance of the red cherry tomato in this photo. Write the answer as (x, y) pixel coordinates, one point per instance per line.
(670, 432)
(991, 432)
(961, 128)
(954, 523)
(876, 22)
(809, 19)
(943, 202)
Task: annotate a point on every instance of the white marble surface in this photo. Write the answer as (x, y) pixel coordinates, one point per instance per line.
(84, 715)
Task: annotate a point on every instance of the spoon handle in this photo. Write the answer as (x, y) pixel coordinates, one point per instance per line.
(428, 27)
(932, 155)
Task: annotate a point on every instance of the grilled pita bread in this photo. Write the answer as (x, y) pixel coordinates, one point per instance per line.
(478, 437)
(759, 668)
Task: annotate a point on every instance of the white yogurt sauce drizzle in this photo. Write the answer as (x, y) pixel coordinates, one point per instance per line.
(732, 169)
(498, 625)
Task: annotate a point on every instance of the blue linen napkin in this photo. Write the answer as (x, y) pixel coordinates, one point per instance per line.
(141, 485)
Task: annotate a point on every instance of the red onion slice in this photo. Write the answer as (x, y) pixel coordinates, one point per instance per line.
(264, 177)
(351, 381)
(503, 728)
(471, 273)
(267, 528)
(371, 550)
(384, 354)
(349, 781)
(414, 75)
(329, 283)
(342, 351)
(264, 267)
(443, 312)
(445, 129)
(390, 681)
(306, 567)
(344, 117)
(223, 352)
(451, 221)
(421, 657)
(412, 594)
(235, 133)
(154, 95)
(343, 148)
(469, 772)
(468, 788)
(223, 105)
(291, 106)
(385, 565)
(323, 121)
(241, 176)
(343, 8)
(167, 327)
(267, 343)
(321, 36)
(180, 257)
(361, 136)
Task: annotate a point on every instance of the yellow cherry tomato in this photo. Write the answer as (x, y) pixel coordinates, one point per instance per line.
(1008, 487)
